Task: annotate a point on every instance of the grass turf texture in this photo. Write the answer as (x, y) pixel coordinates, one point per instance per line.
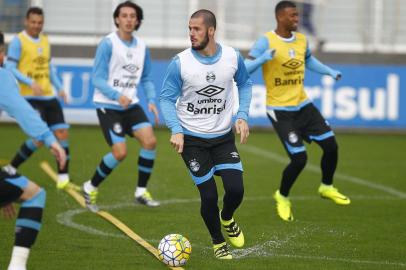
(368, 234)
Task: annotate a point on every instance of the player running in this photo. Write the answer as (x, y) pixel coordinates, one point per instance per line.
(200, 79)
(284, 54)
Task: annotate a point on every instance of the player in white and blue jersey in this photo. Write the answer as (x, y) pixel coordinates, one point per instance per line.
(122, 63)
(17, 188)
(197, 103)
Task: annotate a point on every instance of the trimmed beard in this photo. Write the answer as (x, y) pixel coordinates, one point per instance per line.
(203, 44)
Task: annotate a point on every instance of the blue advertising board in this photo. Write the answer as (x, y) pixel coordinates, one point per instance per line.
(366, 97)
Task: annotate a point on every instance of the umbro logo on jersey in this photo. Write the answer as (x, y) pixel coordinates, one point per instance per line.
(131, 68)
(293, 63)
(210, 77)
(210, 91)
(40, 60)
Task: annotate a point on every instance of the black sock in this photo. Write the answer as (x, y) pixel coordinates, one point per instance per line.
(234, 192)
(66, 168)
(291, 172)
(328, 160)
(145, 166)
(105, 167)
(209, 209)
(26, 150)
(29, 220)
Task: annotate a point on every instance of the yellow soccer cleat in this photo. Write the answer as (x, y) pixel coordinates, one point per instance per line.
(330, 192)
(147, 200)
(63, 181)
(283, 206)
(234, 232)
(90, 198)
(222, 252)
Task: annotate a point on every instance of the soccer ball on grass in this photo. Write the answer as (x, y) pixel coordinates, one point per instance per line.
(174, 250)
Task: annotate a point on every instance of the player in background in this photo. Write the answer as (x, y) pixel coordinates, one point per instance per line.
(121, 64)
(28, 58)
(197, 103)
(284, 54)
(15, 187)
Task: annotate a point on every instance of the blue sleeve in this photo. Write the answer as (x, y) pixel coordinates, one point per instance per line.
(308, 52)
(13, 57)
(170, 92)
(146, 78)
(56, 82)
(101, 70)
(244, 85)
(315, 65)
(18, 108)
(259, 47)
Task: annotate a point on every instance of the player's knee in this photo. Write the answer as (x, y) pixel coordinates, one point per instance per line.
(120, 154)
(299, 160)
(61, 134)
(149, 143)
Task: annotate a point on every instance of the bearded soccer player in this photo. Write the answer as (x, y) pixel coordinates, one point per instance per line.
(197, 103)
(28, 58)
(284, 54)
(15, 187)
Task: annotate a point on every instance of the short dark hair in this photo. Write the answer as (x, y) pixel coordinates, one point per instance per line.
(284, 4)
(137, 8)
(208, 17)
(34, 10)
(1, 39)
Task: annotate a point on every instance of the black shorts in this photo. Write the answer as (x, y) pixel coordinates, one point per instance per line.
(116, 124)
(204, 157)
(293, 127)
(51, 112)
(11, 187)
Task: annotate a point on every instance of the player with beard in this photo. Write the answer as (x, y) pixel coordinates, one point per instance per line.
(15, 187)
(197, 103)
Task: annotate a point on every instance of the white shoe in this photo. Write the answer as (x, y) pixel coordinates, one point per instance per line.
(146, 199)
(9, 169)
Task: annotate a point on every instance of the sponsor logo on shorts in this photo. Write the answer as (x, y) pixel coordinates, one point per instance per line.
(234, 155)
(117, 128)
(292, 136)
(194, 165)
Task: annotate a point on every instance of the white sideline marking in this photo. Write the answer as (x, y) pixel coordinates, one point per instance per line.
(66, 218)
(260, 250)
(314, 168)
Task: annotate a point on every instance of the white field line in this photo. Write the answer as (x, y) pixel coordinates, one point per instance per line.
(66, 218)
(265, 249)
(313, 168)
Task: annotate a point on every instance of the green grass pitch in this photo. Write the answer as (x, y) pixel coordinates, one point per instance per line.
(368, 234)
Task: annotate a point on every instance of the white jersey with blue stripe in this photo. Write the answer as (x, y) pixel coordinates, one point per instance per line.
(125, 70)
(206, 103)
(197, 92)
